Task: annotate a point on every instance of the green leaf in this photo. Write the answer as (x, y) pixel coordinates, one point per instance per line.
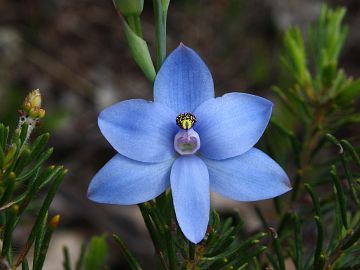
(81, 258)
(66, 263)
(278, 250)
(315, 199)
(9, 228)
(39, 240)
(51, 226)
(328, 74)
(43, 157)
(4, 132)
(9, 189)
(132, 261)
(23, 160)
(294, 58)
(25, 265)
(2, 157)
(349, 93)
(340, 196)
(319, 243)
(42, 213)
(140, 52)
(352, 151)
(39, 145)
(327, 37)
(96, 253)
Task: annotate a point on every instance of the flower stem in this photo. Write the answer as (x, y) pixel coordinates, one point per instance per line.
(160, 32)
(135, 24)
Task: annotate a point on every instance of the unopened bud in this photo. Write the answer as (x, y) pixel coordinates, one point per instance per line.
(12, 176)
(33, 99)
(31, 112)
(54, 222)
(255, 241)
(27, 105)
(32, 105)
(15, 210)
(36, 112)
(129, 7)
(41, 113)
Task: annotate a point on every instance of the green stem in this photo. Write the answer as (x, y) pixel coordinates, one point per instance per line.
(160, 33)
(135, 24)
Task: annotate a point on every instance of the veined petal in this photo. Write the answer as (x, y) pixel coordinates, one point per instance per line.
(140, 130)
(191, 195)
(249, 177)
(230, 125)
(125, 181)
(184, 81)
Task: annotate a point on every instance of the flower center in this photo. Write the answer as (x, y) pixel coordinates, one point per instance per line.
(187, 140)
(185, 120)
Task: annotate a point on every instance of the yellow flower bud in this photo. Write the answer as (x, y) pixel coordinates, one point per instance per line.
(26, 105)
(41, 113)
(34, 112)
(54, 221)
(34, 98)
(12, 176)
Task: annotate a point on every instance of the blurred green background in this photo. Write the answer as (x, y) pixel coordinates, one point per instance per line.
(76, 53)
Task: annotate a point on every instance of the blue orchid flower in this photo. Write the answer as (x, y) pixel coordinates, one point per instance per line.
(190, 141)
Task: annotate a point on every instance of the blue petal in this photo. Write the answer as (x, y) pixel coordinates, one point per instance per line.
(230, 125)
(191, 195)
(125, 181)
(140, 130)
(184, 81)
(250, 177)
